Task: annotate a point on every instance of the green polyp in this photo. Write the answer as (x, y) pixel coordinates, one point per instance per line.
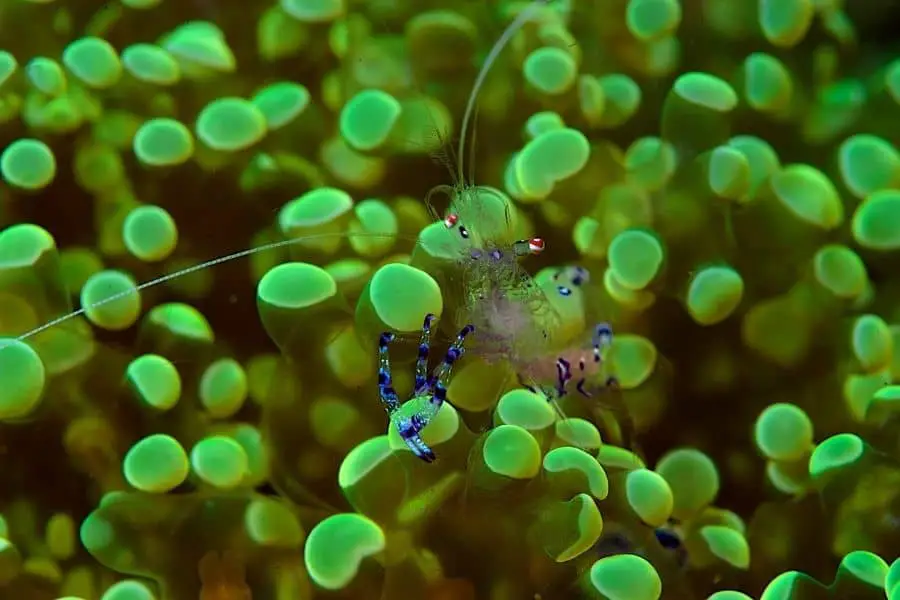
(150, 233)
(59, 536)
(200, 48)
(650, 162)
(649, 496)
(223, 388)
(883, 404)
(47, 76)
(838, 107)
(155, 381)
(634, 300)
(23, 377)
(98, 167)
(257, 453)
(28, 164)
(440, 39)
(116, 128)
(278, 35)
(271, 523)
(760, 155)
(219, 461)
(477, 384)
(728, 174)
(230, 124)
(635, 257)
(334, 421)
(525, 409)
(314, 11)
(768, 85)
(649, 20)
(115, 315)
(714, 293)
(872, 342)
(706, 91)
(543, 122)
(614, 457)
(550, 70)
(364, 459)
(350, 274)
(876, 222)
(578, 432)
(622, 99)
(337, 546)
(858, 391)
(841, 271)
(129, 589)
(512, 452)
(626, 577)
(591, 99)
(94, 61)
(155, 464)
(151, 64)
(314, 210)
(10, 562)
(809, 195)
(96, 533)
(863, 567)
(785, 23)
(728, 545)
(281, 103)
(351, 363)
(350, 166)
(868, 164)
(892, 80)
(632, 360)
(8, 66)
(892, 579)
(566, 530)
(181, 320)
(296, 286)
(163, 142)
(367, 119)
(400, 296)
(693, 478)
(786, 478)
(783, 432)
(835, 454)
(550, 158)
(420, 117)
(571, 470)
(374, 230)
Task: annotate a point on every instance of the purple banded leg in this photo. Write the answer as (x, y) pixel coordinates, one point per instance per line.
(410, 429)
(441, 376)
(385, 383)
(563, 375)
(422, 360)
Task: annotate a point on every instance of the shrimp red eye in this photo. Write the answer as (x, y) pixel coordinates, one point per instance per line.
(451, 221)
(536, 245)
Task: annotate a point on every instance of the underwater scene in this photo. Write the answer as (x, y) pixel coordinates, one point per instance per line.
(449, 300)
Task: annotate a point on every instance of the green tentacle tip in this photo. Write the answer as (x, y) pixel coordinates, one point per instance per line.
(152, 64)
(577, 432)
(156, 464)
(868, 568)
(728, 595)
(625, 577)
(650, 20)
(526, 409)
(182, 320)
(296, 286)
(230, 124)
(220, 461)
(201, 48)
(783, 432)
(633, 359)
(868, 164)
(614, 457)
(362, 459)
(550, 158)
(402, 295)
(512, 452)
(374, 230)
(635, 257)
(622, 99)
(28, 164)
(768, 84)
(155, 381)
(271, 523)
(150, 233)
(46, 75)
(8, 66)
(566, 530)
(728, 545)
(59, 536)
(314, 11)
(336, 547)
(23, 245)
(785, 22)
(885, 403)
(281, 103)
(94, 61)
(836, 453)
(841, 271)
(563, 464)
(729, 174)
(223, 388)
(129, 589)
(892, 580)
(810, 195)
(649, 496)
(316, 207)
(872, 343)
(23, 377)
(550, 70)
(368, 118)
(163, 142)
(111, 300)
(714, 294)
(876, 222)
(693, 478)
(706, 91)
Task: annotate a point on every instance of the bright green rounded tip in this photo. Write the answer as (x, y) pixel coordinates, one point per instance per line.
(141, 4)
(368, 118)
(650, 20)
(373, 231)
(314, 11)
(152, 64)
(837, 452)
(543, 122)
(566, 462)
(706, 91)
(622, 99)
(336, 547)
(100, 308)
(841, 271)
(46, 75)
(810, 195)
(729, 173)
(59, 536)
(94, 61)
(251, 440)
(783, 432)
(868, 164)
(362, 459)
(200, 48)
(8, 66)
(694, 480)
(296, 285)
(98, 168)
(28, 164)
(714, 294)
(785, 22)
(760, 155)
(526, 409)
(768, 86)
(23, 376)
(402, 295)
(315, 207)
(282, 102)
(728, 595)
(614, 457)
(876, 222)
(512, 452)
(867, 567)
(156, 464)
(650, 162)
(155, 380)
(550, 70)
(728, 545)
(22, 245)
(566, 530)
(129, 589)
(632, 359)
(892, 579)
(626, 577)
(230, 124)
(163, 142)
(149, 233)
(223, 388)
(270, 523)
(635, 257)
(872, 342)
(182, 320)
(782, 586)
(578, 432)
(552, 157)
(892, 80)
(649, 496)
(219, 461)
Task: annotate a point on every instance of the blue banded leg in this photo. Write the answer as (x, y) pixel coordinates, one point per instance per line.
(563, 375)
(442, 373)
(601, 339)
(422, 360)
(410, 429)
(385, 383)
